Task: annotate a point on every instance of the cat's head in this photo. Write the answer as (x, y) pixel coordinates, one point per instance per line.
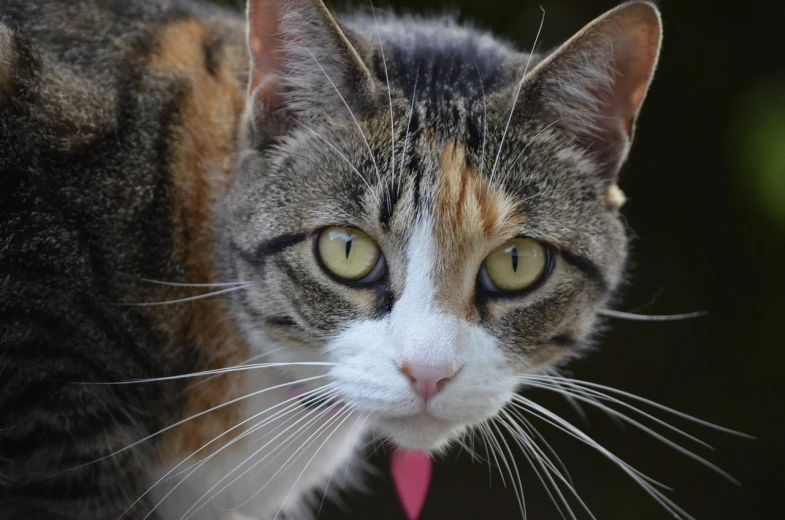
(440, 237)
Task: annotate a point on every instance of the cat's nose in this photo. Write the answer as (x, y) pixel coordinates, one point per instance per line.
(428, 381)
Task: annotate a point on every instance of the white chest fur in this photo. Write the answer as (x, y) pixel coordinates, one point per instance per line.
(286, 450)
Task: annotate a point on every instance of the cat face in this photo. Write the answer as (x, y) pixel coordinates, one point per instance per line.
(428, 210)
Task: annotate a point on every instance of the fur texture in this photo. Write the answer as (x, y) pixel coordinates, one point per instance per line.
(149, 142)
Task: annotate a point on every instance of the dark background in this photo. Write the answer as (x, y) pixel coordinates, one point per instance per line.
(706, 189)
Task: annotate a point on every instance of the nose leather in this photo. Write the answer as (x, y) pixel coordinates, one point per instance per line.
(428, 381)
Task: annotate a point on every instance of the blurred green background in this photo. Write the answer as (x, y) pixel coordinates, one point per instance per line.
(706, 189)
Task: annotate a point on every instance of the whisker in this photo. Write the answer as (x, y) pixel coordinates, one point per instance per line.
(183, 421)
(176, 284)
(488, 435)
(351, 113)
(297, 453)
(567, 482)
(336, 150)
(582, 396)
(553, 419)
(576, 433)
(196, 467)
(248, 361)
(516, 479)
(238, 368)
(389, 96)
(531, 142)
(296, 408)
(530, 427)
(484, 117)
(527, 446)
(204, 500)
(643, 317)
(346, 414)
(408, 127)
(473, 454)
(515, 100)
(348, 459)
(649, 402)
(184, 300)
(169, 474)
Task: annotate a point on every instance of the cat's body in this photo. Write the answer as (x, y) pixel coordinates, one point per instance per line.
(130, 152)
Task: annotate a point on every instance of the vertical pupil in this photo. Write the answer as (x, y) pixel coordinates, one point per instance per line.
(515, 258)
(349, 247)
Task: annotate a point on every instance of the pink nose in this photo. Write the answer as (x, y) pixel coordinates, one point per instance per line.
(428, 381)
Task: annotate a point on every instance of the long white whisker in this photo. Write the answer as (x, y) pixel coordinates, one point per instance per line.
(486, 433)
(297, 409)
(548, 416)
(515, 100)
(357, 123)
(530, 427)
(578, 382)
(209, 495)
(298, 452)
(484, 118)
(247, 362)
(194, 468)
(348, 459)
(169, 474)
(574, 432)
(176, 284)
(389, 96)
(515, 480)
(184, 300)
(487, 456)
(526, 445)
(643, 317)
(408, 127)
(531, 142)
(584, 395)
(200, 414)
(470, 450)
(238, 368)
(340, 154)
(346, 414)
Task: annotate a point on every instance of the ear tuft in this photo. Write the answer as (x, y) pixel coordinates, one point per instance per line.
(302, 64)
(595, 83)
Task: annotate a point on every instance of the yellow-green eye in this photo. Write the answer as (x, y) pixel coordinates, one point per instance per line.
(350, 254)
(515, 266)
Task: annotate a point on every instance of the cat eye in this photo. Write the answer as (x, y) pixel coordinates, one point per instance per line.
(350, 255)
(515, 266)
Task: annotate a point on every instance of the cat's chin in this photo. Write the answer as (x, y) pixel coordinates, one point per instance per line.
(419, 433)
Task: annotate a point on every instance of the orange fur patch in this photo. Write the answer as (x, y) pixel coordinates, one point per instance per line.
(201, 169)
(469, 220)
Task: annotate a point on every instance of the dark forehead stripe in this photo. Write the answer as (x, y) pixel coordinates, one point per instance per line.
(388, 202)
(588, 267)
(445, 66)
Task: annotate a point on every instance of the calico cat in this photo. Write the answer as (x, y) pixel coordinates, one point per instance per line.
(341, 226)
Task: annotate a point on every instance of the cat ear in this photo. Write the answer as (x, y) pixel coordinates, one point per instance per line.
(302, 64)
(596, 82)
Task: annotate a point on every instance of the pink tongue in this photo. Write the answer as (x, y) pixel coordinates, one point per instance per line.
(411, 472)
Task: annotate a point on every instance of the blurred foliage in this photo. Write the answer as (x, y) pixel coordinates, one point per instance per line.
(758, 143)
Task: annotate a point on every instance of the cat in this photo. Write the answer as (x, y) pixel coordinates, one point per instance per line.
(375, 223)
